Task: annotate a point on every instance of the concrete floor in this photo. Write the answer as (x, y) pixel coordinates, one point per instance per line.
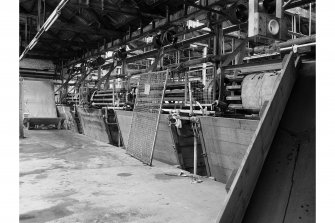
(67, 177)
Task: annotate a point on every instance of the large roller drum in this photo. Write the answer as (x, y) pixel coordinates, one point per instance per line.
(258, 88)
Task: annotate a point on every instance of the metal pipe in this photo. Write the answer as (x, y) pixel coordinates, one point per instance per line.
(297, 46)
(103, 95)
(115, 108)
(21, 109)
(159, 116)
(297, 41)
(54, 15)
(102, 104)
(195, 154)
(310, 19)
(198, 112)
(295, 26)
(103, 99)
(190, 95)
(36, 72)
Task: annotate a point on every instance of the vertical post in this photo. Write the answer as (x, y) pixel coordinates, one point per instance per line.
(123, 67)
(186, 87)
(279, 9)
(294, 26)
(43, 19)
(167, 14)
(66, 88)
(190, 95)
(99, 77)
(310, 20)
(204, 65)
(215, 40)
(114, 92)
(119, 138)
(26, 31)
(20, 109)
(153, 24)
(218, 46)
(195, 154)
(39, 19)
(253, 21)
(129, 30)
(61, 93)
(299, 22)
(141, 26)
(107, 83)
(221, 78)
(185, 9)
(178, 57)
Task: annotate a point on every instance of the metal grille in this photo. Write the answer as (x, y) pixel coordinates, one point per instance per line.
(120, 93)
(199, 81)
(147, 109)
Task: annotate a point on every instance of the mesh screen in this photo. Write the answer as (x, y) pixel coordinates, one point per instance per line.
(119, 93)
(199, 80)
(147, 109)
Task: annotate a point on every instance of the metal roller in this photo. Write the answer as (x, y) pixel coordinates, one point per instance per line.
(258, 88)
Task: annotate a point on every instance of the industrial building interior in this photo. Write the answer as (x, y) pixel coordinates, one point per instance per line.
(167, 111)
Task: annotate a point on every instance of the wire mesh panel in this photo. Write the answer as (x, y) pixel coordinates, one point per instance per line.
(200, 81)
(147, 109)
(121, 92)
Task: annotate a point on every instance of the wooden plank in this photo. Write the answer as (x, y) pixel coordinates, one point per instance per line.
(124, 123)
(93, 124)
(164, 151)
(227, 161)
(242, 187)
(69, 122)
(231, 123)
(301, 205)
(39, 98)
(231, 150)
(226, 134)
(226, 142)
(164, 147)
(255, 68)
(278, 173)
(275, 182)
(45, 121)
(220, 173)
(303, 13)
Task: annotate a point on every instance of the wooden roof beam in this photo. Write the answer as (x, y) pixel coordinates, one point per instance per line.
(107, 9)
(209, 9)
(85, 29)
(49, 53)
(69, 42)
(175, 18)
(303, 13)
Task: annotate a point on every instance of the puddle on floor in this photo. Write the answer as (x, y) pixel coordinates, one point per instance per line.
(162, 176)
(52, 213)
(124, 174)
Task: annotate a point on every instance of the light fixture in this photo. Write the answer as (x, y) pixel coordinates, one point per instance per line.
(32, 44)
(47, 26)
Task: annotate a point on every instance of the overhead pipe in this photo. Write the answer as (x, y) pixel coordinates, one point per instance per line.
(183, 18)
(172, 47)
(298, 3)
(289, 43)
(47, 24)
